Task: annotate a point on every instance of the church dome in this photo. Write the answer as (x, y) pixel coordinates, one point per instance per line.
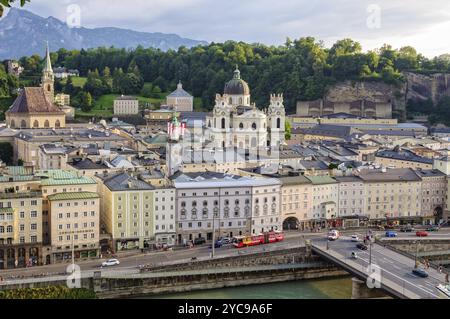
(237, 86)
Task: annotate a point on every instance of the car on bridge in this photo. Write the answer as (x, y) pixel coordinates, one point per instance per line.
(432, 228)
(110, 262)
(391, 234)
(355, 238)
(420, 272)
(421, 233)
(361, 246)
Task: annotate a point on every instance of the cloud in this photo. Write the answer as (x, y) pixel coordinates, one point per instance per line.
(423, 24)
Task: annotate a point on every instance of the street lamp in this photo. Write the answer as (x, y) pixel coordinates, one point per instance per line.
(214, 235)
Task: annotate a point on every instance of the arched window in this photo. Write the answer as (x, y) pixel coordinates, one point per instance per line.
(49, 88)
(230, 101)
(223, 122)
(278, 123)
(12, 124)
(46, 124)
(23, 124)
(240, 101)
(35, 124)
(57, 124)
(241, 125)
(254, 126)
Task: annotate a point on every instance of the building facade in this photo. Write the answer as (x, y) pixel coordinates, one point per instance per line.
(74, 225)
(127, 211)
(180, 100)
(236, 122)
(296, 202)
(126, 105)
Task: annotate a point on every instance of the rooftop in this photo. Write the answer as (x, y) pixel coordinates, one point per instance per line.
(404, 155)
(124, 182)
(73, 196)
(319, 180)
(33, 100)
(389, 175)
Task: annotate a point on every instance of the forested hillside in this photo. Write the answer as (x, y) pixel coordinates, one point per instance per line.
(301, 69)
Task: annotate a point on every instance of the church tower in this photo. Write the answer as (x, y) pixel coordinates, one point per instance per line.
(276, 116)
(48, 78)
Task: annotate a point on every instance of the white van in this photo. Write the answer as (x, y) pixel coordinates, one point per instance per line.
(333, 235)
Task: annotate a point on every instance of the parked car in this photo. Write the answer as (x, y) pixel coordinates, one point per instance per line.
(217, 244)
(421, 233)
(361, 246)
(420, 272)
(199, 241)
(432, 228)
(391, 233)
(225, 240)
(110, 262)
(355, 238)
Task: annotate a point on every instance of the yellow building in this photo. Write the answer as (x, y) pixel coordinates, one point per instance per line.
(296, 202)
(20, 220)
(74, 225)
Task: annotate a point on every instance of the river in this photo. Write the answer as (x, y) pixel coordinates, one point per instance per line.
(338, 288)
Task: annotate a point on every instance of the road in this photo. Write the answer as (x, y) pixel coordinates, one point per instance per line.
(395, 268)
(161, 258)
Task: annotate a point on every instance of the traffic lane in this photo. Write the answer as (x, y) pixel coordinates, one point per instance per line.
(398, 275)
(162, 257)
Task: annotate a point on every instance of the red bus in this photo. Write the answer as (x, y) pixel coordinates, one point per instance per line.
(261, 239)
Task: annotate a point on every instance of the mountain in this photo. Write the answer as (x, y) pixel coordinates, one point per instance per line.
(23, 33)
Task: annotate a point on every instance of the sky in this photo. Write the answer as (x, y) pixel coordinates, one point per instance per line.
(424, 25)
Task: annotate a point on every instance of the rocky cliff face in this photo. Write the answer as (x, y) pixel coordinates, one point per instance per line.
(376, 92)
(423, 87)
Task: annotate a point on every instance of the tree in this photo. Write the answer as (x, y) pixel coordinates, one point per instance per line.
(7, 4)
(86, 102)
(287, 130)
(6, 153)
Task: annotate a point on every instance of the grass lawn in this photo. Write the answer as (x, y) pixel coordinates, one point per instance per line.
(78, 81)
(104, 105)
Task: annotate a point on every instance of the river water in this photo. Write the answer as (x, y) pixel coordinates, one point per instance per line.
(338, 288)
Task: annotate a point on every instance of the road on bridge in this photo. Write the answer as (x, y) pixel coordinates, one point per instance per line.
(396, 269)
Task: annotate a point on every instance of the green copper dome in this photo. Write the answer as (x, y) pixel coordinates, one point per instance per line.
(237, 86)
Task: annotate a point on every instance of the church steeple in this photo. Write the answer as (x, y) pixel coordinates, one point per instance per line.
(48, 80)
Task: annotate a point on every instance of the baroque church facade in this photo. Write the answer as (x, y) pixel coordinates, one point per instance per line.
(236, 122)
(35, 107)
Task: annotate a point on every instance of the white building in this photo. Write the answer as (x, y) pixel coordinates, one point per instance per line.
(236, 122)
(227, 205)
(126, 105)
(351, 196)
(164, 215)
(325, 200)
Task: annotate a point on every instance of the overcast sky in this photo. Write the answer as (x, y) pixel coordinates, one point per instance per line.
(422, 24)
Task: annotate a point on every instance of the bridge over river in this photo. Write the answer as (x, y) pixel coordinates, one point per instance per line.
(391, 269)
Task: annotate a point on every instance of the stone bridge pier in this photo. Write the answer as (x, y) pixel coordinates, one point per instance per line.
(361, 291)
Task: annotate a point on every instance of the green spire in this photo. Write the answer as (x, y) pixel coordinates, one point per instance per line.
(48, 62)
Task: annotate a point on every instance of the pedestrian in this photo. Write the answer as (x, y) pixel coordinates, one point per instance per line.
(446, 278)
(440, 269)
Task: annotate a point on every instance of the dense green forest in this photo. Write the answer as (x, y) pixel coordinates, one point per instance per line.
(301, 69)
